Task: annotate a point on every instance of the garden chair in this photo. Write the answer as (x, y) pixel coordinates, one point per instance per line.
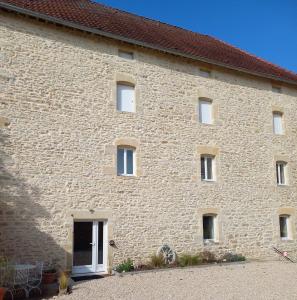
(35, 278)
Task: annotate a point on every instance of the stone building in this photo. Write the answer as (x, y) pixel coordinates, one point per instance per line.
(120, 134)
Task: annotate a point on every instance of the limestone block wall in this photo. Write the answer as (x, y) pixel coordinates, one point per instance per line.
(57, 89)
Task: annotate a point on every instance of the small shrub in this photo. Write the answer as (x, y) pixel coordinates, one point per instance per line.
(207, 257)
(125, 266)
(157, 261)
(231, 257)
(185, 260)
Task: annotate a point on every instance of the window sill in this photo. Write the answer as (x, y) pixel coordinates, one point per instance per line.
(286, 239)
(282, 185)
(208, 180)
(125, 176)
(210, 242)
(126, 112)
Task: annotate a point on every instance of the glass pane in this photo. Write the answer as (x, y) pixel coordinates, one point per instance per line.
(202, 168)
(277, 174)
(208, 228)
(125, 98)
(205, 112)
(82, 250)
(283, 227)
(282, 173)
(120, 161)
(130, 162)
(209, 168)
(277, 123)
(100, 243)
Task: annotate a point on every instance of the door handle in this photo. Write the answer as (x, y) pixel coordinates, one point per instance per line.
(93, 244)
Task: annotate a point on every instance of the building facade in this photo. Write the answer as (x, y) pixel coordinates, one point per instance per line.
(110, 150)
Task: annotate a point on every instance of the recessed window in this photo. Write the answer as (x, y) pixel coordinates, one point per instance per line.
(278, 123)
(126, 54)
(285, 227)
(277, 89)
(207, 167)
(209, 227)
(205, 73)
(125, 161)
(205, 111)
(281, 172)
(125, 97)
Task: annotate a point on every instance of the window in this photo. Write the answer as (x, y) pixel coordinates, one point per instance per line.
(207, 167)
(278, 123)
(284, 226)
(205, 111)
(281, 172)
(126, 54)
(277, 89)
(209, 227)
(205, 73)
(125, 161)
(125, 97)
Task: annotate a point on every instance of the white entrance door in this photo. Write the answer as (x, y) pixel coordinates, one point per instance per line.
(89, 247)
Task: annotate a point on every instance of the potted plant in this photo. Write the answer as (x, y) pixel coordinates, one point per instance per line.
(49, 274)
(63, 284)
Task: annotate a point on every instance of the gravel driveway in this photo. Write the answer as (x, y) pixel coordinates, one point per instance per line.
(255, 280)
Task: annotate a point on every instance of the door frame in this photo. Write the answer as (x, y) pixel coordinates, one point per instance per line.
(94, 268)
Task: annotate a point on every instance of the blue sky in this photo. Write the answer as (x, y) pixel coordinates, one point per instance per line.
(266, 28)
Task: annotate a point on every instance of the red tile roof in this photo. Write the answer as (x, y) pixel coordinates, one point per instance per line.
(90, 16)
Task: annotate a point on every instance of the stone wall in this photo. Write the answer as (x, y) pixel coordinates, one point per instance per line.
(58, 153)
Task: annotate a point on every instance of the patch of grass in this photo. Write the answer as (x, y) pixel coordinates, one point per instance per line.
(185, 260)
(125, 266)
(157, 261)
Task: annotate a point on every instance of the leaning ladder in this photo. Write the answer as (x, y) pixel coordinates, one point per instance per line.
(283, 254)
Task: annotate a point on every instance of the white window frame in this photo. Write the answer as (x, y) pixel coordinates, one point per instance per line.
(125, 161)
(212, 157)
(278, 116)
(200, 114)
(278, 173)
(126, 54)
(288, 225)
(215, 228)
(118, 100)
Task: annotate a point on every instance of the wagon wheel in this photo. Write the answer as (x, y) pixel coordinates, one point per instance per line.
(168, 254)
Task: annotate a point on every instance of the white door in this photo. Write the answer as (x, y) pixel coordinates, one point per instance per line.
(89, 247)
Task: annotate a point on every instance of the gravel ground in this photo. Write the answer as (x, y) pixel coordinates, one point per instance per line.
(254, 280)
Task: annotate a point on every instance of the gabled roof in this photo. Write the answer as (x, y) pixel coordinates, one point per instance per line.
(100, 19)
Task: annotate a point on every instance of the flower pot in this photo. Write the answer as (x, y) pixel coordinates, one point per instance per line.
(49, 277)
(2, 293)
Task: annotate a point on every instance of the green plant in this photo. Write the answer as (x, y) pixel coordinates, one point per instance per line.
(207, 257)
(125, 266)
(63, 281)
(6, 271)
(185, 260)
(157, 261)
(232, 257)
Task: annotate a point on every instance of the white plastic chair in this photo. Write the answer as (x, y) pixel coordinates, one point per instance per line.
(35, 278)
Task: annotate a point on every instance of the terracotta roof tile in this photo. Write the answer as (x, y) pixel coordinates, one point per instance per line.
(152, 34)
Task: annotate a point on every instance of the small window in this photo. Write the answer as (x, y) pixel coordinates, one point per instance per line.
(205, 73)
(278, 123)
(209, 227)
(207, 168)
(277, 89)
(281, 172)
(205, 111)
(125, 97)
(284, 225)
(126, 54)
(125, 161)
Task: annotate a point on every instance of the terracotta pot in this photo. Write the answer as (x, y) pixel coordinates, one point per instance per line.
(2, 293)
(49, 277)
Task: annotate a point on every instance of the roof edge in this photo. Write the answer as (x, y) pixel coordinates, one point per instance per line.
(69, 24)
